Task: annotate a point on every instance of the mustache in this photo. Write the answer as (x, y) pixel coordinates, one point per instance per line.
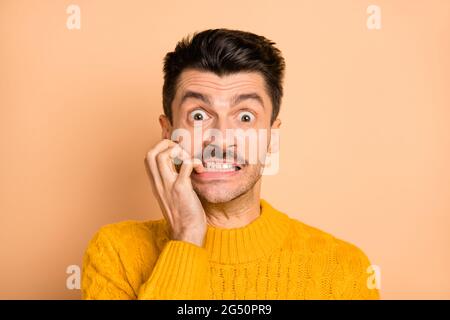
(216, 152)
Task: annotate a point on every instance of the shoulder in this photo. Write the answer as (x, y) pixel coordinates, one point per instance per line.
(317, 241)
(123, 253)
(130, 233)
(342, 263)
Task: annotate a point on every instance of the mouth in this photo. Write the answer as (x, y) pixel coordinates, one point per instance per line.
(218, 170)
(221, 166)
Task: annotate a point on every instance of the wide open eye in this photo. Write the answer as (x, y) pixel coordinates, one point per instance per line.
(246, 116)
(198, 115)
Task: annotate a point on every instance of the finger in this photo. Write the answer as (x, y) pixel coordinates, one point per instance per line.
(187, 167)
(166, 159)
(180, 154)
(151, 165)
(158, 148)
(198, 165)
(166, 168)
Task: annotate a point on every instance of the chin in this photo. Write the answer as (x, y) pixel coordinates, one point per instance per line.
(216, 192)
(217, 195)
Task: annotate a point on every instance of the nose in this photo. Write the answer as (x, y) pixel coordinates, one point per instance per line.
(220, 139)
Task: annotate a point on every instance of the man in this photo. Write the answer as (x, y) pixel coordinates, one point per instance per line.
(218, 239)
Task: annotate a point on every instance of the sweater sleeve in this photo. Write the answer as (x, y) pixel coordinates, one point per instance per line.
(103, 273)
(180, 272)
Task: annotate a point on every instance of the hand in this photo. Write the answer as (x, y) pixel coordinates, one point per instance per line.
(179, 203)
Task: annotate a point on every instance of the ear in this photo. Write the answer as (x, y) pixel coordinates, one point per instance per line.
(276, 124)
(274, 146)
(166, 127)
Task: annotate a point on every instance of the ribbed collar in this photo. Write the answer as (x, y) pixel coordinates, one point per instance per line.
(251, 242)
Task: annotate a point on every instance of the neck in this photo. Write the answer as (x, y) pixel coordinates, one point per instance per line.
(235, 213)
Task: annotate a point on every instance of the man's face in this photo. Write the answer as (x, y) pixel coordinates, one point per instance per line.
(222, 108)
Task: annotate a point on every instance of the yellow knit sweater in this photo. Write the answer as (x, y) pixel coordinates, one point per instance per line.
(274, 257)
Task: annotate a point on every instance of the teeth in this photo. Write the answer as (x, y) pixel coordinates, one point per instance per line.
(218, 166)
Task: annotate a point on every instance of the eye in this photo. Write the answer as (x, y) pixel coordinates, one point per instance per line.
(246, 116)
(198, 115)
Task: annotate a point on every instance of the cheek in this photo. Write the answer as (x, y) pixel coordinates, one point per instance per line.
(254, 150)
(184, 137)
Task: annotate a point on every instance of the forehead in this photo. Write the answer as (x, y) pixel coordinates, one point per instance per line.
(220, 87)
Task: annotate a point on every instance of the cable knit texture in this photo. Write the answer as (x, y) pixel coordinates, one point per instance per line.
(273, 257)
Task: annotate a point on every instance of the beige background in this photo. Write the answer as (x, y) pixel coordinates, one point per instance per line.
(365, 138)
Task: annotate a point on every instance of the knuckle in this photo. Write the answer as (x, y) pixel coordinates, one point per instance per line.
(173, 151)
(150, 155)
(178, 188)
(187, 162)
(160, 156)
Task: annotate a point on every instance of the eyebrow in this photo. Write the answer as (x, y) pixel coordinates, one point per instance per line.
(247, 96)
(195, 95)
(234, 100)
